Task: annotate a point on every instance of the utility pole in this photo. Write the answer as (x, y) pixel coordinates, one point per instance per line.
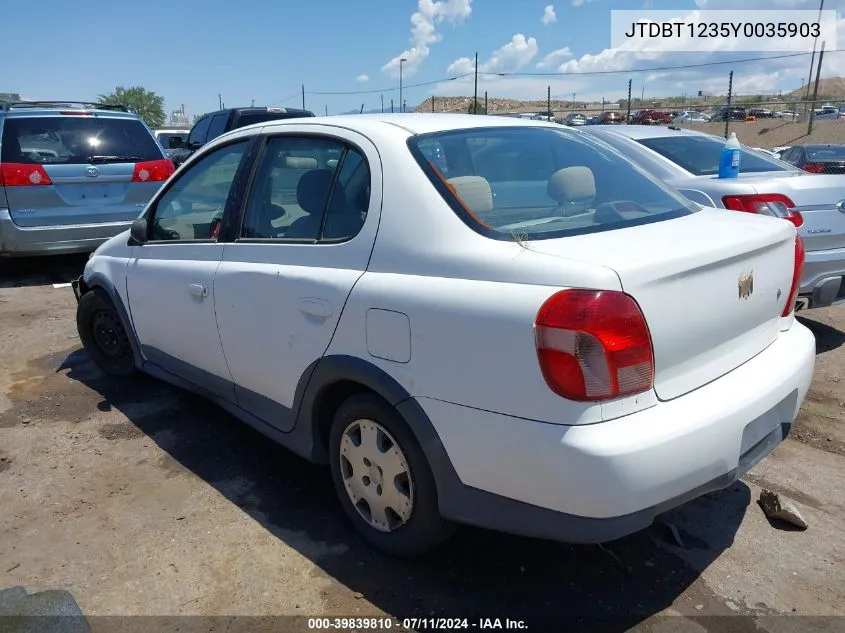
(813, 58)
(475, 97)
(391, 106)
(549, 99)
(327, 110)
(382, 103)
(303, 96)
(728, 110)
(642, 95)
(486, 111)
(401, 61)
(220, 100)
(253, 103)
(628, 120)
(815, 92)
(432, 103)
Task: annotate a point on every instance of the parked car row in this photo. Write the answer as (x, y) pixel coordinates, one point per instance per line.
(733, 113)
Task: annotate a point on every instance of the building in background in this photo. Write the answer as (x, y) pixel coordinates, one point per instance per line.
(10, 96)
(178, 118)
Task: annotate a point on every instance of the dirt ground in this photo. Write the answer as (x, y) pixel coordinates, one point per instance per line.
(769, 133)
(140, 499)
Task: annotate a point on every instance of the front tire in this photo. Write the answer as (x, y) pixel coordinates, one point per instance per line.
(103, 334)
(383, 479)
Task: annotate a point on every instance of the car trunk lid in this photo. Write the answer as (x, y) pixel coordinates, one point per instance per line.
(816, 197)
(712, 287)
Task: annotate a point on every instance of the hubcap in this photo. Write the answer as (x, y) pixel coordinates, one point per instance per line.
(108, 333)
(376, 475)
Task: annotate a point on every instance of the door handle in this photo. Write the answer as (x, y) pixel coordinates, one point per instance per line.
(316, 307)
(198, 290)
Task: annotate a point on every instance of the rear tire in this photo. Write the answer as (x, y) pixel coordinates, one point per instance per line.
(103, 334)
(385, 485)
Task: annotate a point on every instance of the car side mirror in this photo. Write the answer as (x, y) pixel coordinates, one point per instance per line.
(138, 232)
(176, 142)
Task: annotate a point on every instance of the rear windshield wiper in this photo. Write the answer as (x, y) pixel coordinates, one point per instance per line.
(114, 159)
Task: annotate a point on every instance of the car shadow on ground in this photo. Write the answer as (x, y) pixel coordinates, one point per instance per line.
(828, 338)
(23, 272)
(478, 573)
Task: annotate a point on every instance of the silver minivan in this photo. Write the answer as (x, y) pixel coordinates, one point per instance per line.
(73, 175)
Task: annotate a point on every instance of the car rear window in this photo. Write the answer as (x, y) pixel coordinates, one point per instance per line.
(74, 140)
(536, 183)
(164, 137)
(831, 152)
(700, 155)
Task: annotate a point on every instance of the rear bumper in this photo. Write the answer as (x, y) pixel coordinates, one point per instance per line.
(17, 241)
(597, 482)
(824, 272)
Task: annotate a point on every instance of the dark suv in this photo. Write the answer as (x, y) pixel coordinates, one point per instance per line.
(736, 113)
(213, 124)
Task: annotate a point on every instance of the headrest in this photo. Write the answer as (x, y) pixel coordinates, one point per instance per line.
(300, 162)
(572, 184)
(312, 190)
(474, 191)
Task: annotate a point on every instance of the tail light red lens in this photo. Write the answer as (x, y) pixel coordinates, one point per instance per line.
(773, 204)
(153, 171)
(594, 345)
(797, 273)
(23, 175)
(813, 168)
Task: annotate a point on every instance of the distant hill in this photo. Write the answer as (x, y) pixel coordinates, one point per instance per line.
(831, 88)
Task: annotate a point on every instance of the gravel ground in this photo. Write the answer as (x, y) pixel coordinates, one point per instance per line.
(777, 132)
(139, 499)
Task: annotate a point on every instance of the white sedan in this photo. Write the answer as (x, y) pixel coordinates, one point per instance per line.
(470, 319)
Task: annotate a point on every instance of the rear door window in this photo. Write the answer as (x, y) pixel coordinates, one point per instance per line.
(217, 126)
(199, 131)
(76, 140)
(830, 152)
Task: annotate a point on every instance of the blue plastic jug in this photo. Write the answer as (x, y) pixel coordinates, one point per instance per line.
(729, 161)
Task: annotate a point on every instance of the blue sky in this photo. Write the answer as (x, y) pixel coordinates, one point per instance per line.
(264, 50)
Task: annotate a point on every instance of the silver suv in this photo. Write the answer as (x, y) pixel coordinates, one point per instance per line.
(72, 175)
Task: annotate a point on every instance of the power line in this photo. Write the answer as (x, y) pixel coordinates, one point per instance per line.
(551, 74)
(648, 70)
(393, 89)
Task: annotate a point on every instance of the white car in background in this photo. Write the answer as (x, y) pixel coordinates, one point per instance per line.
(163, 137)
(690, 117)
(688, 160)
(531, 335)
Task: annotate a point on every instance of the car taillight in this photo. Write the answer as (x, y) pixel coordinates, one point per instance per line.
(153, 171)
(813, 168)
(594, 345)
(23, 175)
(772, 204)
(797, 272)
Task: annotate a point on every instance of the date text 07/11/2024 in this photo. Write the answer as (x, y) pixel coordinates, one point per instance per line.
(415, 624)
(723, 29)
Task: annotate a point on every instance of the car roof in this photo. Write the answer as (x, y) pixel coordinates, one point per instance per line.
(415, 123)
(638, 132)
(41, 108)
